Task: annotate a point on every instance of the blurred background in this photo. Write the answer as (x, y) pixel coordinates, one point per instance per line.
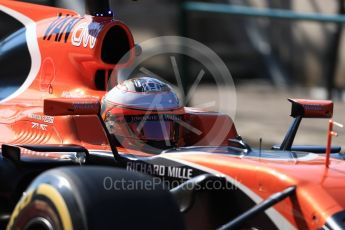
(274, 49)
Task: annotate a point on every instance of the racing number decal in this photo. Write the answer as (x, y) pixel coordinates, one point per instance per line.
(35, 125)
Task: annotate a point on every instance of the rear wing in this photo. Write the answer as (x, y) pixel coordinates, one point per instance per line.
(302, 108)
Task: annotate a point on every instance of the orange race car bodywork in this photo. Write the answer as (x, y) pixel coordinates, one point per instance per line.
(70, 60)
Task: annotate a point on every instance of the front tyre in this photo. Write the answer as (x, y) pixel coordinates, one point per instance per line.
(86, 198)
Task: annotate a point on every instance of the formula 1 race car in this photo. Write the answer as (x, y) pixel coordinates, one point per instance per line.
(74, 156)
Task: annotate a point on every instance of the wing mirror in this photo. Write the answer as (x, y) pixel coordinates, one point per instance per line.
(303, 108)
(71, 106)
(311, 108)
(80, 106)
(239, 143)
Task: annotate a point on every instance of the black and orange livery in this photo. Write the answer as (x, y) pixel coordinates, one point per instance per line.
(55, 65)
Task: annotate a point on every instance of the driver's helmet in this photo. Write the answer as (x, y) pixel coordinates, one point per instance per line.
(143, 113)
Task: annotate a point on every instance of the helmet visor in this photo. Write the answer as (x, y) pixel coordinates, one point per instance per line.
(152, 130)
(156, 127)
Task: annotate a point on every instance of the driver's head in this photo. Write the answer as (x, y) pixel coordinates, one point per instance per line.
(143, 113)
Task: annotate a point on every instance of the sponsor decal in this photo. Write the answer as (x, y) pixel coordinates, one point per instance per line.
(47, 75)
(85, 105)
(60, 28)
(149, 85)
(160, 170)
(144, 85)
(313, 107)
(86, 34)
(45, 119)
(161, 117)
(72, 94)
